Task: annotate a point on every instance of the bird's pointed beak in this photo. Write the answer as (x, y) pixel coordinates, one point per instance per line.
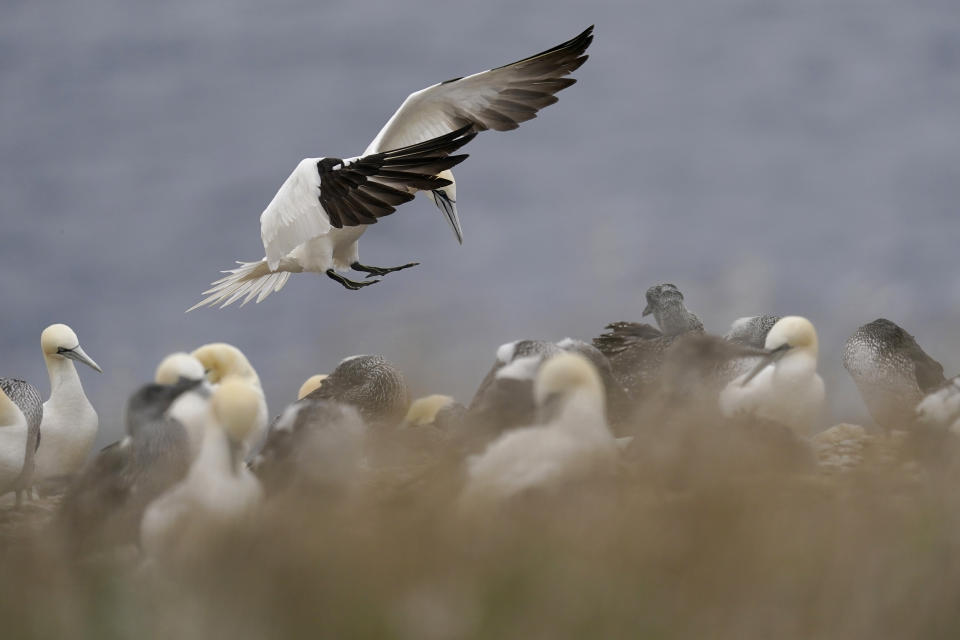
(647, 311)
(449, 209)
(772, 356)
(79, 355)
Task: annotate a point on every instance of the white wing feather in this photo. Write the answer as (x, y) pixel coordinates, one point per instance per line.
(294, 215)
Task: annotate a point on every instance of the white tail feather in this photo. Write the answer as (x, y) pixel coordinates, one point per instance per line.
(250, 280)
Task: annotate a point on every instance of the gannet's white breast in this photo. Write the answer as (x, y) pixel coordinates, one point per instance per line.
(788, 390)
(942, 407)
(66, 435)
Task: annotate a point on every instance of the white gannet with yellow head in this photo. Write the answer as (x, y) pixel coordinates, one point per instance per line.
(784, 386)
(316, 218)
(190, 408)
(220, 361)
(572, 440)
(70, 422)
(13, 442)
(219, 490)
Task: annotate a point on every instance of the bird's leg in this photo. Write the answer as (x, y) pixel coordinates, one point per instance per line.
(349, 284)
(380, 271)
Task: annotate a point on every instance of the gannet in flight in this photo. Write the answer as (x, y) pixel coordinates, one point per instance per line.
(315, 219)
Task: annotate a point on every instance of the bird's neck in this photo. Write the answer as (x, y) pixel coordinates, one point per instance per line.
(584, 415)
(64, 380)
(673, 318)
(217, 454)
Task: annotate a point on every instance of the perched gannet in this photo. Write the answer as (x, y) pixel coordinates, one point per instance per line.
(220, 361)
(28, 400)
(372, 385)
(941, 408)
(636, 350)
(314, 221)
(14, 431)
(311, 384)
(751, 330)
(218, 490)
(70, 422)
(315, 445)
(891, 371)
(571, 442)
(189, 408)
(784, 386)
(435, 411)
(105, 503)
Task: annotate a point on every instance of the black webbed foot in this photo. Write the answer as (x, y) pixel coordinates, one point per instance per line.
(347, 283)
(380, 271)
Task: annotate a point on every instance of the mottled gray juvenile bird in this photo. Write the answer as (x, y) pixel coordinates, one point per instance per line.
(104, 506)
(372, 385)
(315, 445)
(751, 330)
(636, 350)
(27, 398)
(891, 371)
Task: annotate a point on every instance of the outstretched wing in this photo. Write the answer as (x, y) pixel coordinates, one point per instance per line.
(498, 99)
(330, 192)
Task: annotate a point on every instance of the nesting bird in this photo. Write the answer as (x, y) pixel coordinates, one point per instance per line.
(751, 331)
(941, 408)
(221, 361)
(105, 503)
(314, 221)
(189, 408)
(70, 422)
(571, 442)
(371, 384)
(315, 445)
(891, 371)
(784, 386)
(14, 449)
(218, 490)
(636, 350)
(27, 399)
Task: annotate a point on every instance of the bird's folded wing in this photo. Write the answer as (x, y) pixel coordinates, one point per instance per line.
(496, 99)
(331, 192)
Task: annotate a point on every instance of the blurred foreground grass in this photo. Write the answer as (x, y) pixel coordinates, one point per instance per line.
(751, 552)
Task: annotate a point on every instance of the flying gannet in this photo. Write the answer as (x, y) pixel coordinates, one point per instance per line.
(315, 219)
(891, 371)
(70, 422)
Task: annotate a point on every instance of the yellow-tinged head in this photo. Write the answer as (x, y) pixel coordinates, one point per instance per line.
(424, 410)
(311, 384)
(59, 341)
(235, 405)
(564, 374)
(794, 332)
(221, 360)
(178, 365)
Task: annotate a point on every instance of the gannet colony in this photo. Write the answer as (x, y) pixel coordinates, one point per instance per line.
(674, 481)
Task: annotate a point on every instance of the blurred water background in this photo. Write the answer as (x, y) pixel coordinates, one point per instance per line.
(765, 156)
